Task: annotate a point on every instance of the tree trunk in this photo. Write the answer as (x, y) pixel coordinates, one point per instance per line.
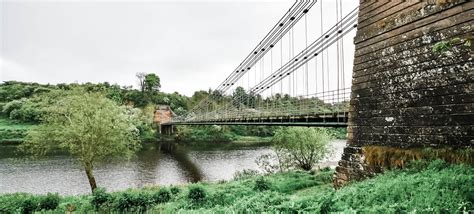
(88, 167)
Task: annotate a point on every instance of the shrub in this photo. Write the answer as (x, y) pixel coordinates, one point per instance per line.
(175, 190)
(129, 201)
(11, 106)
(162, 196)
(301, 147)
(124, 201)
(261, 184)
(29, 205)
(143, 200)
(100, 197)
(197, 193)
(49, 202)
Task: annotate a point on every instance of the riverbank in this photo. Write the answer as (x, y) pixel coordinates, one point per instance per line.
(432, 188)
(236, 140)
(13, 132)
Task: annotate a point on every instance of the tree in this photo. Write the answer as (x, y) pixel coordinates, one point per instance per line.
(88, 126)
(152, 83)
(301, 147)
(197, 97)
(149, 87)
(141, 81)
(239, 97)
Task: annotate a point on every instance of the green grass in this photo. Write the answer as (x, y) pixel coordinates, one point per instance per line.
(429, 188)
(13, 131)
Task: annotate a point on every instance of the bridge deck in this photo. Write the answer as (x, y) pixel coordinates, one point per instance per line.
(327, 120)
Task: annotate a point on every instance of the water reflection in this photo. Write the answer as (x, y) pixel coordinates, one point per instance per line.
(181, 155)
(163, 164)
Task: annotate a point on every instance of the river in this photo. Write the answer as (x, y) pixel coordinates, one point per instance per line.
(154, 164)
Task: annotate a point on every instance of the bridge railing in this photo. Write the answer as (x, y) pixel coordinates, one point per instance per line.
(328, 102)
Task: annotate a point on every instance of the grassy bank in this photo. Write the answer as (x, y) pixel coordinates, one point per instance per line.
(425, 188)
(12, 132)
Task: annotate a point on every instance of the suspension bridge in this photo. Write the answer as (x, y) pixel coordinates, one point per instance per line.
(295, 75)
(408, 65)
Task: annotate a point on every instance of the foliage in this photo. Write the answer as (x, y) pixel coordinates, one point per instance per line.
(26, 100)
(213, 133)
(337, 133)
(442, 46)
(262, 131)
(434, 187)
(131, 201)
(261, 184)
(31, 109)
(446, 45)
(175, 190)
(100, 197)
(197, 193)
(26, 203)
(143, 120)
(152, 83)
(88, 126)
(301, 147)
(13, 90)
(163, 195)
(30, 205)
(49, 202)
(13, 131)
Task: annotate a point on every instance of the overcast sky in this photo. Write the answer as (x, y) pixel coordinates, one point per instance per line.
(191, 45)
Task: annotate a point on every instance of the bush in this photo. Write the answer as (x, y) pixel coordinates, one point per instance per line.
(12, 134)
(197, 193)
(100, 197)
(124, 201)
(261, 184)
(162, 196)
(11, 106)
(29, 205)
(175, 190)
(49, 202)
(301, 147)
(130, 201)
(143, 200)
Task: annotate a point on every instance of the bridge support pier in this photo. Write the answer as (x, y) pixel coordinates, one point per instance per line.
(408, 93)
(167, 129)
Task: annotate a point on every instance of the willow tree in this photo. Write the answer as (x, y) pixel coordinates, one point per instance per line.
(89, 127)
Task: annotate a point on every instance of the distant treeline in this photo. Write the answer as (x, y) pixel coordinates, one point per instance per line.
(25, 103)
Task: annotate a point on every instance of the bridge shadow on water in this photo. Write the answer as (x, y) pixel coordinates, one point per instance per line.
(151, 156)
(181, 155)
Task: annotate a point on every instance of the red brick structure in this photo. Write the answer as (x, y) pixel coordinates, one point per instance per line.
(163, 114)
